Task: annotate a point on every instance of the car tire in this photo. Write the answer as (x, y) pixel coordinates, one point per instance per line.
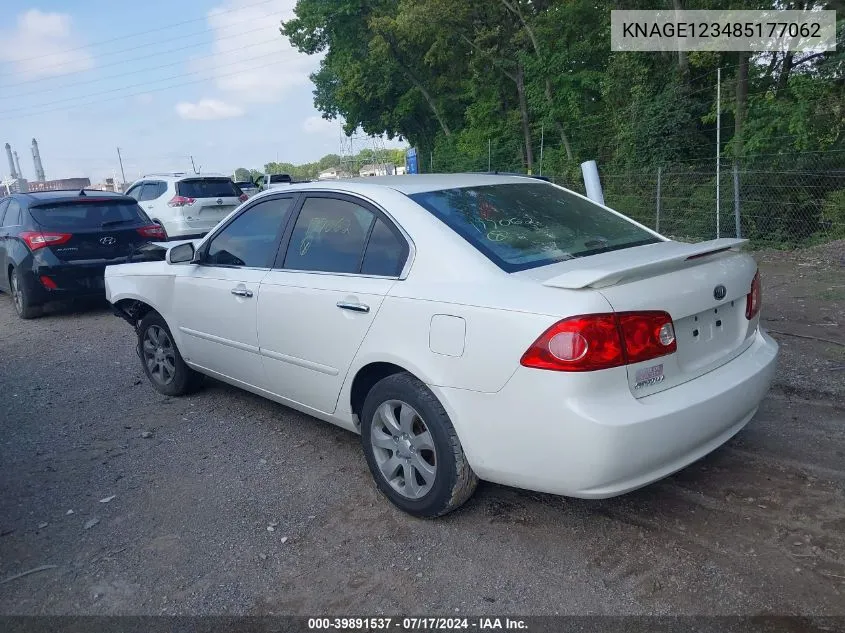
(21, 298)
(162, 362)
(412, 449)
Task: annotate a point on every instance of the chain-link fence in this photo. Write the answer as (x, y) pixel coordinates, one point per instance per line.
(767, 199)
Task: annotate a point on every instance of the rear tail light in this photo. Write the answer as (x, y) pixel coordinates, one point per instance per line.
(40, 239)
(48, 283)
(181, 201)
(752, 300)
(601, 341)
(243, 197)
(153, 231)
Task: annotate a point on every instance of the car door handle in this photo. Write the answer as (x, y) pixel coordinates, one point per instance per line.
(355, 307)
(241, 292)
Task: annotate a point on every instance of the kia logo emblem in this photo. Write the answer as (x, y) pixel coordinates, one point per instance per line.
(108, 241)
(719, 292)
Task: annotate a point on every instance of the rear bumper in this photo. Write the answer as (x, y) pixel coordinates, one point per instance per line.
(188, 229)
(72, 280)
(541, 432)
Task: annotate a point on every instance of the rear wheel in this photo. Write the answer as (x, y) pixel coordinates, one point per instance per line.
(412, 449)
(162, 361)
(21, 297)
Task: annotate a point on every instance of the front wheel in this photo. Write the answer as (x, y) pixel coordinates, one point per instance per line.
(412, 449)
(162, 361)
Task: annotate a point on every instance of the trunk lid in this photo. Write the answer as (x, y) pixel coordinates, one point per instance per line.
(214, 197)
(702, 286)
(99, 229)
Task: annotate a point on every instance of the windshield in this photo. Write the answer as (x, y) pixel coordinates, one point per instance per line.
(89, 215)
(245, 185)
(208, 188)
(527, 225)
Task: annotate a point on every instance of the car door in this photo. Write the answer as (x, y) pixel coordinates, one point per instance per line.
(339, 259)
(148, 196)
(216, 300)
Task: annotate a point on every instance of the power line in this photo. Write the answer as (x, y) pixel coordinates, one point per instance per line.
(147, 45)
(123, 37)
(135, 59)
(134, 94)
(134, 72)
(143, 83)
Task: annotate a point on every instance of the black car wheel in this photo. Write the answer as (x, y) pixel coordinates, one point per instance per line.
(21, 297)
(162, 361)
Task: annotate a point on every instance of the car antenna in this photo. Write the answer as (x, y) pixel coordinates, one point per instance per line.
(82, 192)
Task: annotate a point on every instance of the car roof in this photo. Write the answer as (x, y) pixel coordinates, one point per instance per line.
(418, 183)
(176, 176)
(64, 195)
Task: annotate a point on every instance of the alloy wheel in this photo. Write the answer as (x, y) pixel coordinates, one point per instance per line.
(159, 355)
(404, 449)
(17, 292)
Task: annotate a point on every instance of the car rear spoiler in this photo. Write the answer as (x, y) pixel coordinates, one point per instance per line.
(610, 268)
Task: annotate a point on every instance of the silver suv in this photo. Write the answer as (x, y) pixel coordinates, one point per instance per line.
(186, 205)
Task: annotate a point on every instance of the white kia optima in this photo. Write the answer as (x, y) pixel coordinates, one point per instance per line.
(467, 326)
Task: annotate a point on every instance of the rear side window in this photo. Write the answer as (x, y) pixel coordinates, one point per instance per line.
(329, 236)
(152, 190)
(385, 253)
(3, 205)
(208, 188)
(526, 225)
(89, 215)
(13, 214)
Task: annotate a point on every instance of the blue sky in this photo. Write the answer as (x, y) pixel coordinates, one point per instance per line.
(213, 79)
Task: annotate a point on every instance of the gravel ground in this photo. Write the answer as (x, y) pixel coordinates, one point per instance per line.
(226, 503)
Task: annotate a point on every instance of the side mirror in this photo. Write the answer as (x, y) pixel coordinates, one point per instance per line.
(181, 254)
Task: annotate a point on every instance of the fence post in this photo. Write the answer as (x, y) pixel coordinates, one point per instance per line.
(736, 199)
(657, 214)
(718, 143)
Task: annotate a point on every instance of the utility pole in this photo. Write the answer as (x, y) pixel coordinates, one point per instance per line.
(120, 160)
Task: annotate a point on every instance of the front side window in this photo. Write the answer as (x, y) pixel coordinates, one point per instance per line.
(135, 192)
(250, 239)
(527, 225)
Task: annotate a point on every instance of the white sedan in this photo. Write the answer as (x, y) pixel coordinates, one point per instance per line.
(466, 326)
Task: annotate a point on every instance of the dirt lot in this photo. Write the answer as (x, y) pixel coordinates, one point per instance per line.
(227, 503)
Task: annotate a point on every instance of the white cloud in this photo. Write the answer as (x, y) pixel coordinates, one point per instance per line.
(251, 61)
(43, 45)
(318, 125)
(208, 110)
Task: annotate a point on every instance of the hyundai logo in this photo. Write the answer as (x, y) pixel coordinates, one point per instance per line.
(719, 292)
(108, 241)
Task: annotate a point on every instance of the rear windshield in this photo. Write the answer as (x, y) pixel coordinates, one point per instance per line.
(527, 225)
(89, 214)
(274, 178)
(208, 188)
